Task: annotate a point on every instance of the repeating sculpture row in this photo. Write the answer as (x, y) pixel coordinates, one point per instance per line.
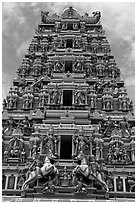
(80, 97)
(50, 143)
(95, 67)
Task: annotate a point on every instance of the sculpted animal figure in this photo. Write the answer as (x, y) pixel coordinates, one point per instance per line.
(96, 17)
(83, 170)
(46, 170)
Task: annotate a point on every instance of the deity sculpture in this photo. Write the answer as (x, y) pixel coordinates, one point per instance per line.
(109, 124)
(124, 126)
(25, 126)
(10, 126)
(58, 66)
(78, 67)
(50, 145)
(55, 96)
(6, 155)
(27, 100)
(80, 97)
(15, 147)
(43, 98)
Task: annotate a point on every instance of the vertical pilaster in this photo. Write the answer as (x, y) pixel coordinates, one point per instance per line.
(6, 183)
(72, 146)
(15, 184)
(124, 185)
(115, 186)
(59, 145)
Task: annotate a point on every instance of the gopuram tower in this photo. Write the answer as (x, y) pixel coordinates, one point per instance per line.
(68, 123)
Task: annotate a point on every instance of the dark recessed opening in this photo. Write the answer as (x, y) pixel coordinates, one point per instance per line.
(66, 147)
(70, 26)
(67, 98)
(69, 43)
(68, 66)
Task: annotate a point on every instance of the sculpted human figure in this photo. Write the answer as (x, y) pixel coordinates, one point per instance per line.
(10, 126)
(25, 126)
(6, 155)
(108, 126)
(124, 126)
(109, 156)
(55, 96)
(79, 97)
(78, 66)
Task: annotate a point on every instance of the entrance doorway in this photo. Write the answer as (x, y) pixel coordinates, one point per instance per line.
(68, 66)
(69, 43)
(67, 98)
(70, 26)
(66, 147)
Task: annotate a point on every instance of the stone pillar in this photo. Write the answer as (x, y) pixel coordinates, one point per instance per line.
(133, 155)
(61, 98)
(115, 186)
(73, 97)
(73, 146)
(59, 137)
(15, 184)
(101, 152)
(124, 184)
(6, 183)
(91, 148)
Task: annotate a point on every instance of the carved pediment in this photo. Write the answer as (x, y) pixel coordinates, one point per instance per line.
(71, 13)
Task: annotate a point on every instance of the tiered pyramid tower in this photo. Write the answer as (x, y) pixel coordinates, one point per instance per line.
(68, 102)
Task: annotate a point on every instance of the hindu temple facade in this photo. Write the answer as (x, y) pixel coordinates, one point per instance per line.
(68, 104)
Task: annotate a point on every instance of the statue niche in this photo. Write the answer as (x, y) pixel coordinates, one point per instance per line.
(15, 148)
(81, 144)
(78, 67)
(43, 98)
(50, 144)
(58, 67)
(12, 99)
(55, 96)
(79, 96)
(28, 99)
(117, 153)
(37, 68)
(107, 99)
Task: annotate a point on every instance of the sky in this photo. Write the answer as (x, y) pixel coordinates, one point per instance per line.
(20, 19)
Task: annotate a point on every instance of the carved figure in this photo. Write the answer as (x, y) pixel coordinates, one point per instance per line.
(10, 126)
(49, 185)
(15, 147)
(81, 143)
(78, 67)
(80, 98)
(58, 66)
(43, 99)
(46, 170)
(55, 96)
(85, 171)
(124, 126)
(108, 126)
(44, 15)
(25, 126)
(6, 155)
